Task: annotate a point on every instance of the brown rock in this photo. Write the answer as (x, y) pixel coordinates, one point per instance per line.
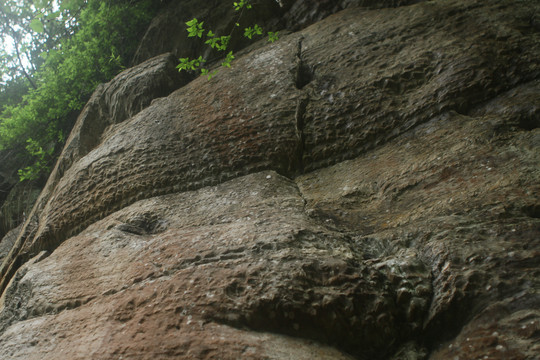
(366, 187)
(209, 262)
(111, 103)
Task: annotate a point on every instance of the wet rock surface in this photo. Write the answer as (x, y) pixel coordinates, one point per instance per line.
(242, 254)
(366, 188)
(124, 96)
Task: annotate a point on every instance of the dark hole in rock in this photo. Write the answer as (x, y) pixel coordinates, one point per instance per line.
(304, 76)
(531, 121)
(532, 211)
(143, 224)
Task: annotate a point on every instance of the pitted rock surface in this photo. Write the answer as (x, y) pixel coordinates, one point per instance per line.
(111, 103)
(466, 203)
(241, 254)
(366, 188)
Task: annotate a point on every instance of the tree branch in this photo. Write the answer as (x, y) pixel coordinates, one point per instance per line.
(16, 43)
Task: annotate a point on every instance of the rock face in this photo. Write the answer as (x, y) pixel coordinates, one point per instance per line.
(363, 188)
(17, 204)
(167, 32)
(16, 199)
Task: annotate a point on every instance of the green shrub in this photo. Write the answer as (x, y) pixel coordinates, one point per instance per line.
(95, 49)
(220, 43)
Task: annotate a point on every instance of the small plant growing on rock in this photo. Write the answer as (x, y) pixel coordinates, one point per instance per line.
(195, 28)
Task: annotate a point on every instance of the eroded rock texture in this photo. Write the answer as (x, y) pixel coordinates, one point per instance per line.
(364, 188)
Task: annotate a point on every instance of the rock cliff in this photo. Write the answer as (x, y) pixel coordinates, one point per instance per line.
(367, 187)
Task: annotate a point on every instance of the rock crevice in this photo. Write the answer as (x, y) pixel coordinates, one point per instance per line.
(365, 187)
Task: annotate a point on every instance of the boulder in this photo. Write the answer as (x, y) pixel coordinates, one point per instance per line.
(363, 188)
(124, 96)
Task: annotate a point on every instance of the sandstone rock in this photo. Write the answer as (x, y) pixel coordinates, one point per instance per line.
(366, 187)
(274, 107)
(462, 193)
(242, 254)
(111, 103)
(123, 97)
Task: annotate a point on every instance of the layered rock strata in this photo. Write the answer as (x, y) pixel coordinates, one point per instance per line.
(364, 188)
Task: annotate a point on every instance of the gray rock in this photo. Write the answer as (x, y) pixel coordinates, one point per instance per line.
(6, 243)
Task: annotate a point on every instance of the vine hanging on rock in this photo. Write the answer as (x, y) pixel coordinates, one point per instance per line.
(195, 28)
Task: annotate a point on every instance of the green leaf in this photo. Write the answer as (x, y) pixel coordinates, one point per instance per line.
(228, 59)
(187, 64)
(37, 26)
(273, 36)
(208, 74)
(53, 15)
(224, 43)
(192, 22)
(258, 30)
(248, 32)
(213, 43)
(240, 5)
(195, 28)
(40, 4)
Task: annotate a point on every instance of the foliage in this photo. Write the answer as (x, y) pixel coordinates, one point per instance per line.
(30, 28)
(240, 5)
(250, 31)
(195, 28)
(228, 59)
(273, 36)
(220, 43)
(42, 158)
(71, 50)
